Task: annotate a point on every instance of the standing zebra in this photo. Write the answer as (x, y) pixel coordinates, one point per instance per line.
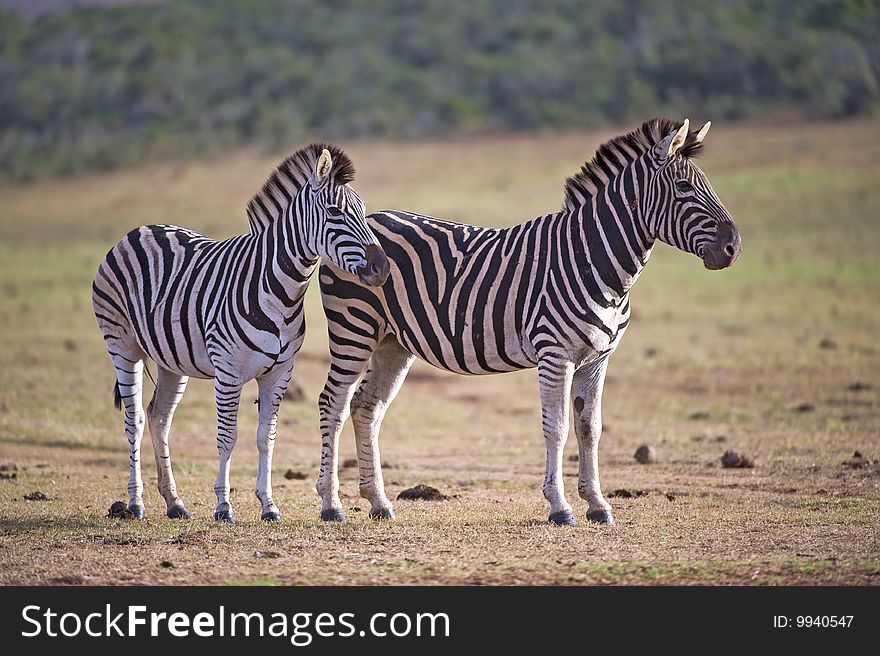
(229, 310)
(551, 293)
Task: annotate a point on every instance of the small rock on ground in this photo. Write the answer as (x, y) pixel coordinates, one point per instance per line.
(646, 454)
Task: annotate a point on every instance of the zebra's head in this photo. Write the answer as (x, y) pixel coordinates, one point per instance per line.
(681, 207)
(339, 225)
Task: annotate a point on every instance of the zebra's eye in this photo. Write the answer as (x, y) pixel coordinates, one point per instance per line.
(684, 185)
(332, 210)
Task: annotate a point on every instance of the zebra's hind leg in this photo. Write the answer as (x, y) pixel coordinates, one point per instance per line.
(586, 397)
(169, 390)
(272, 387)
(388, 368)
(554, 379)
(129, 381)
(227, 395)
(333, 403)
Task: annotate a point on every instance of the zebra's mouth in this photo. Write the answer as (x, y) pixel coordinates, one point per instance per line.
(375, 272)
(725, 250)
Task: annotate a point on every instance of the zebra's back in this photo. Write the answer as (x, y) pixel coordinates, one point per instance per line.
(150, 291)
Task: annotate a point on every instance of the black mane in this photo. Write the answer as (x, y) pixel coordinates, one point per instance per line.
(615, 154)
(290, 176)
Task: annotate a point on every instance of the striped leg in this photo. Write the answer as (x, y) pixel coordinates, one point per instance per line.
(554, 380)
(129, 378)
(334, 406)
(227, 396)
(169, 390)
(388, 368)
(272, 387)
(587, 400)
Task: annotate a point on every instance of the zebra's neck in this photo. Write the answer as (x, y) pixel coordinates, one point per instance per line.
(612, 241)
(287, 265)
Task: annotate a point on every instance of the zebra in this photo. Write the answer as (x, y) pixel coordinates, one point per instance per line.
(551, 293)
(230, 310)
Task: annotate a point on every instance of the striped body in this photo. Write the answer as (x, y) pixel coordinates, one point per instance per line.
(551, 294)
(484, 300)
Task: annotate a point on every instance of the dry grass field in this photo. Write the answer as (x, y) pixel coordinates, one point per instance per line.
(778, 357)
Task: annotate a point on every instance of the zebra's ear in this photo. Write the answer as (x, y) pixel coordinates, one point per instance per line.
(674, 140)
(322, 167)
(703, 131)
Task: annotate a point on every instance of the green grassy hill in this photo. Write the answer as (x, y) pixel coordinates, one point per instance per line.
(102, 86)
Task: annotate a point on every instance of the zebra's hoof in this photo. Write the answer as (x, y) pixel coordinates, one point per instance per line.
(271, 516)
(178, 512)
(382, 513)
(600, 516)
(136, 510)
(562, 518)
(225, 516)
(332, 515)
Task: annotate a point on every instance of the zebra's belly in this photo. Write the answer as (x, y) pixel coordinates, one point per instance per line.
(464, 354)
(180, 350)
(190, 347)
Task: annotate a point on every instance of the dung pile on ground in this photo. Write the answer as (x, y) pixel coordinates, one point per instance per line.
(736, 460)
(422, 492)
(292, 475)
(8, 471)
(36, 496)
(118, 510)
(627, 494)
(294, 392)
(859, 461)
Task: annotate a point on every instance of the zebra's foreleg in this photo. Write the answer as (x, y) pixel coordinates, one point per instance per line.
(586, 398)
(129, 377)
(388, 368)
(169, 390)
(554, 380)
(272, 387)
(227, 396)
(334, 407)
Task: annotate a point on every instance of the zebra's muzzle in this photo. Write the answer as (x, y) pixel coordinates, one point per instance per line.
(725, 250)
(375, 272)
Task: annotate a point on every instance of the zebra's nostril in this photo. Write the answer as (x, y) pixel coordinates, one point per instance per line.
(728, 250)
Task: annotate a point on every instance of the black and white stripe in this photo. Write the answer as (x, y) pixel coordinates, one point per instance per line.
(229, 310)
(551, 293)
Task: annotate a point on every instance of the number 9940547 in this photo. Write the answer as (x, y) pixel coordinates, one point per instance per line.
(823, 621)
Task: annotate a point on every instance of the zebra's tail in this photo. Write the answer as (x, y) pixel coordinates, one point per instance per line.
(117, 396)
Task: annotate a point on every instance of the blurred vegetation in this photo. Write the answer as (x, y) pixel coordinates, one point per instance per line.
(99, 87)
